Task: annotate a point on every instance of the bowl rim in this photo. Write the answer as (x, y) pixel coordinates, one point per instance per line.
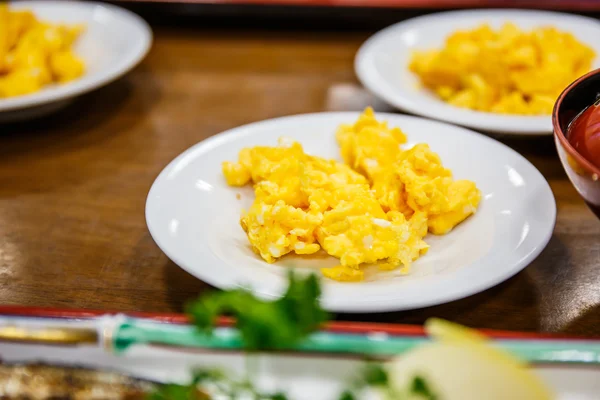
(560, 135)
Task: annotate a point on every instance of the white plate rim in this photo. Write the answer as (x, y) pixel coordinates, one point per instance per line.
(79, 87)
(342, 307)
(488, 122)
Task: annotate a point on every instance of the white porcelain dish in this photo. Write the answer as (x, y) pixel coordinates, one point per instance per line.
(194, 216)
(115, 41)
(381, 64)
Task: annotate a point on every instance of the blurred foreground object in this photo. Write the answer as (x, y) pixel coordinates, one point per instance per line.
(462, 365)
(34, 53)
(506, 70)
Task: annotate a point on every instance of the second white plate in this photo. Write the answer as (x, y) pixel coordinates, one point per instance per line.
(381, 64)
(194, 216)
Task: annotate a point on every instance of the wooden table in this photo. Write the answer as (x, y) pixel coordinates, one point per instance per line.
(73, 186)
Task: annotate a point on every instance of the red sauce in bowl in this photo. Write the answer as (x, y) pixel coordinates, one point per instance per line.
(584, 134)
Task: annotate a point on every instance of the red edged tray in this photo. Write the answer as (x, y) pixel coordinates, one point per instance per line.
(333, 326)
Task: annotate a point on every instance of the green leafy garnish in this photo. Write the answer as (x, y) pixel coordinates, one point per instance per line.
(278, 396)
(176, 392)
(190, 391)
(375, 375)
(270, 325)
(347, 395)
(265, 325)
(419, 386)
(219, 385)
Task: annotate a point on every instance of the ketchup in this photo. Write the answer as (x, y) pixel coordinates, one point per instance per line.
(584, 134)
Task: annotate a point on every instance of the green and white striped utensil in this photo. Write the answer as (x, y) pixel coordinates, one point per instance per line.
(132, 332)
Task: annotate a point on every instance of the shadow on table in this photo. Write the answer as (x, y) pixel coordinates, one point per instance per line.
(567, 282)
(181, 286)
(540, 151)
(94, 137)
(535, 145)
(586, 324)
(87, 121)
(77, 125)
(512, 305)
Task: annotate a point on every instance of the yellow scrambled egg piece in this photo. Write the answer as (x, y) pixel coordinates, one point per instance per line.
(407, 181)
(426, 186)
(368, 145)
(507, 71)
(374, 210)
(35, 53)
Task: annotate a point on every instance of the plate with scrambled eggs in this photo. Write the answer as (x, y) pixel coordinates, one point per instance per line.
(493, 70)
(395, 212)
(53, 51)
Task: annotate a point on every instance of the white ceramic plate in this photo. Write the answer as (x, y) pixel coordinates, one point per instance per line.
(115, 40)
(381, 64)
(194, 216)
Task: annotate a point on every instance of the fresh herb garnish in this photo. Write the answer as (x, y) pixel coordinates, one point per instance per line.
(419, 386)
(190, 391)
(373, 375)
(278, 396)
(176, 392)
(265, 325)
(217, 383)
(347, 395)
(272, 325)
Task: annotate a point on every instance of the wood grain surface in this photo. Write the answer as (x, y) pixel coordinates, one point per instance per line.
(73, 185)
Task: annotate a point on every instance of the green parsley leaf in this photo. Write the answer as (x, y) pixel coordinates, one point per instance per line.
(419, 386)
(375, 375)
(221, 385)
(265, 325)
(177, 392)
(372, 375)
(347, 395)
(190, 391)
(204, 375)
(278, 396)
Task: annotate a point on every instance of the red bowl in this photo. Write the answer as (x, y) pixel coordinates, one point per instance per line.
(576, 98)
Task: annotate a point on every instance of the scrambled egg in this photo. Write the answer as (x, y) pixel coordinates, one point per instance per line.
(373, 210)
(507, 71)
(34, 53)
(407, 181)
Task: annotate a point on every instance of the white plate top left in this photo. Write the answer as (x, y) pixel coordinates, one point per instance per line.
(193, 215)
(115, 40)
